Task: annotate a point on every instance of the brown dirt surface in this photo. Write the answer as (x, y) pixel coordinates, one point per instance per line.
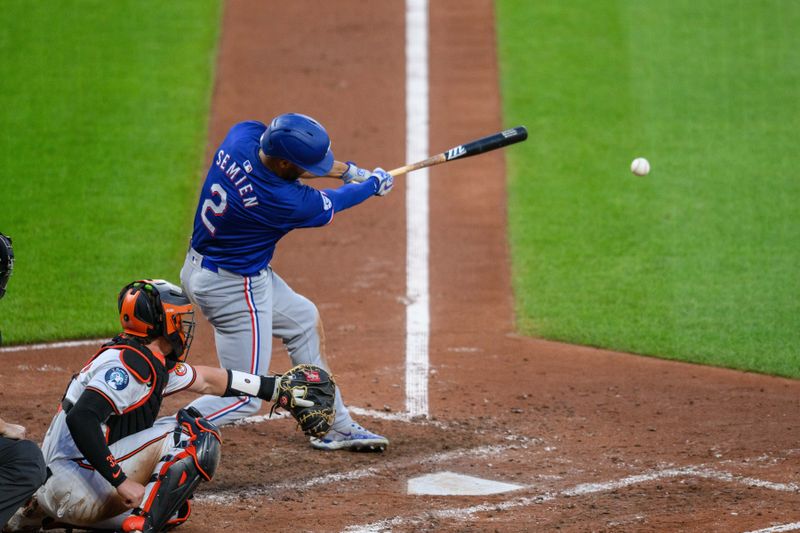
(598, 441)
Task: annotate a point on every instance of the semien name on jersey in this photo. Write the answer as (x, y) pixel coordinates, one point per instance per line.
(232, 172)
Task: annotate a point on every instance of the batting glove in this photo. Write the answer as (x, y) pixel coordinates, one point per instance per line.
(385, 181)
(354, 174)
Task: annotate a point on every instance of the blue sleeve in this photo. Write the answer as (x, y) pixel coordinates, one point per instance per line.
(351, 194)
(330, 201)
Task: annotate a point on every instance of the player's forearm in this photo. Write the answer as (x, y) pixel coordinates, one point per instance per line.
(223, 382)
(336, 171)
(210, 380)
(351, 194)
(83, 421)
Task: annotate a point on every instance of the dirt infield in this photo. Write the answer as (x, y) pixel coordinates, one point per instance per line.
(597, 441)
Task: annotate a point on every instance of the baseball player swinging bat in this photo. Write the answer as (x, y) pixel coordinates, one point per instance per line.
(478, 146)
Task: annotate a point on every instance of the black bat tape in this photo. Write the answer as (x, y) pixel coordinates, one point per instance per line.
(488, 143)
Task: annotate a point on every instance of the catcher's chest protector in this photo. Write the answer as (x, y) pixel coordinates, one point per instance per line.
(140, 362)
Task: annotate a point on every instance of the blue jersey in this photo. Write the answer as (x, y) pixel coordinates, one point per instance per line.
(245, 209)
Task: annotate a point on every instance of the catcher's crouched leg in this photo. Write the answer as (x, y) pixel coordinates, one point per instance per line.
(166, 502)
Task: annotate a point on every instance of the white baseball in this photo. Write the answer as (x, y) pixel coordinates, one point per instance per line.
(640, 166)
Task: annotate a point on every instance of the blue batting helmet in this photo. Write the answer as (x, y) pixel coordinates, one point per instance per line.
(301, 140)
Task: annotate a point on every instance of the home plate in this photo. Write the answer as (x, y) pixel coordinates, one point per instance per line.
(452, 484)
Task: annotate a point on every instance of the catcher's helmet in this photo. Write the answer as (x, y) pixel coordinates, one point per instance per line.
(153, 308)
(301, 140)
(6, 262)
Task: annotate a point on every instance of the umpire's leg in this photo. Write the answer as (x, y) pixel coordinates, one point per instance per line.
(22, 471)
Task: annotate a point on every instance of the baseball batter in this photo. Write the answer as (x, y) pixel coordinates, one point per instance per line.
(114, 464)
(251, 198)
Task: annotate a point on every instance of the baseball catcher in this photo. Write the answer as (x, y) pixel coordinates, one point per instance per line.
(115, 464)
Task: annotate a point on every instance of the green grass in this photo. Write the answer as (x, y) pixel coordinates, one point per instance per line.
(104, 109)
(699, 260)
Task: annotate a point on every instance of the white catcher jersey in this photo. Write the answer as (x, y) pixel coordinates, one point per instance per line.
(108, 376)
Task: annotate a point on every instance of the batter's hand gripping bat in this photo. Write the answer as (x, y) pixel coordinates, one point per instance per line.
(478, 146)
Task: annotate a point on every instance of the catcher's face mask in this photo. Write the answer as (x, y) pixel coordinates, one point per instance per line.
(158, 308)
(178, 323)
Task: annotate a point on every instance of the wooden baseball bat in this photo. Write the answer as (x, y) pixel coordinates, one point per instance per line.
(478, 146)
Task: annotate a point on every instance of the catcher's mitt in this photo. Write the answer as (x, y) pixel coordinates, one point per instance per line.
(307, 392)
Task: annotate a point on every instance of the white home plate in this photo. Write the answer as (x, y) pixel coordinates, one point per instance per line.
(452, 484)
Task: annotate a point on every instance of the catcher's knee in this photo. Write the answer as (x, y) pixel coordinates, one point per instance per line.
(177, 476)
(204, 441)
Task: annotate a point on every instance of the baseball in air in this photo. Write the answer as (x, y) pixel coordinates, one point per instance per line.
(640, 166)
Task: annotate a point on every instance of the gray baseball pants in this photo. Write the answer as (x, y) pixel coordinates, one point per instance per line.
(246, 312)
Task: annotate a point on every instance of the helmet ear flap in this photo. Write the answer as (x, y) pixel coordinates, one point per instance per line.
(140, 310)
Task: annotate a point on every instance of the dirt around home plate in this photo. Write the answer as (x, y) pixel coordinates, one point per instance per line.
(597, 441)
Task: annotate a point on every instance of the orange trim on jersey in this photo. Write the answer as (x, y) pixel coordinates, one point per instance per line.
(104, 395)
(127, 455)
(149, 389)
(143, 356)
(194, 378)
(174, 368)
(140, 402)
(120, 348)
(134, 372)
(143, 446)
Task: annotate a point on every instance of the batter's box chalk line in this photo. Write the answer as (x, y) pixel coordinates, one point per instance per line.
(582, 489)
(255, 492)
(794, 526)
(392, 417)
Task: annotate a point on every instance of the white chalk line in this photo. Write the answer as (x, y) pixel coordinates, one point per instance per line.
(745, 480)
(358, 411)
(388, 416)
(417, 219)
(794, 526)
(52, 345)
(582, 489)
(253, 492)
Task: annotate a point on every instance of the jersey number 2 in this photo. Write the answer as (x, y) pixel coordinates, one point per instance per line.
(217, 208)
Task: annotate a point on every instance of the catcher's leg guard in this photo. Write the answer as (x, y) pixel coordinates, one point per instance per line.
(177, 476)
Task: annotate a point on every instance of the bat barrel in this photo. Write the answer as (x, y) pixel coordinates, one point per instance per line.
(478, 146)
(489, 143)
